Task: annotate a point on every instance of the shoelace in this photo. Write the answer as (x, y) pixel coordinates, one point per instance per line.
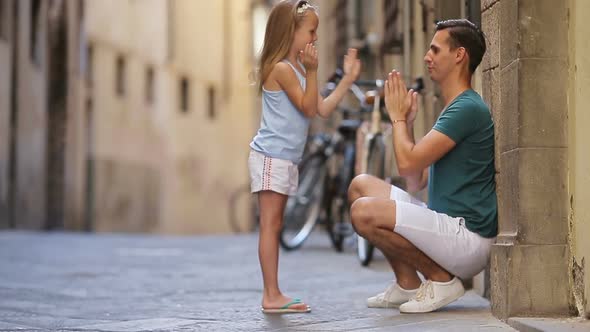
(425, 289)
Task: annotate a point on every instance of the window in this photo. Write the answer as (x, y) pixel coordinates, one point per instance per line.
(149, 85)
(90, 66)
(184, 95)
(34, 27)
(211, 101)
(120, 76)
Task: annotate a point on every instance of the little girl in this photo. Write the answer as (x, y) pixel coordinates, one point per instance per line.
(289, 87)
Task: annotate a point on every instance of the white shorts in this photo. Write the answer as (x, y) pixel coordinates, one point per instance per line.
(278, 175)
(444, 239)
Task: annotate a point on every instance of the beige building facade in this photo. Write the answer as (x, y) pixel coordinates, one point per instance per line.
(172, 111)
(126, 115)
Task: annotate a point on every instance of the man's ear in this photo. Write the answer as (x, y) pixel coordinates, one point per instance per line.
(461, 54)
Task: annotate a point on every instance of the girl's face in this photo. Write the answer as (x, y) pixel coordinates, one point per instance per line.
(306, 32)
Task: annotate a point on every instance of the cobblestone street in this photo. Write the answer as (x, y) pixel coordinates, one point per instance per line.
(84, 282)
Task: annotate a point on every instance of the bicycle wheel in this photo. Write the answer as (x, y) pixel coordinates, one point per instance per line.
(338, 224)
(237, 198)
(376, 167)
(303, 209)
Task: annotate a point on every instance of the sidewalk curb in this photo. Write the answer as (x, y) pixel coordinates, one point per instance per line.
(534, 324)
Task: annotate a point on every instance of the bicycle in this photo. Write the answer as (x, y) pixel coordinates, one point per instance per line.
(321, 193)
(242, 195)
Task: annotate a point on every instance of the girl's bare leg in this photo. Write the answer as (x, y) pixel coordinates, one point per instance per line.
(272, 206)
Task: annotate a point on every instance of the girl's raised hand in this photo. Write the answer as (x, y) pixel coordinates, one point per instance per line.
(352, 65)
(309, 57)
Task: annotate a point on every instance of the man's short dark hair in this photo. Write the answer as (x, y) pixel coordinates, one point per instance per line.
(465, 34)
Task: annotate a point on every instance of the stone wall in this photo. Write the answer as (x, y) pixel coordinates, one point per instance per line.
(579, 159)
(525, 82)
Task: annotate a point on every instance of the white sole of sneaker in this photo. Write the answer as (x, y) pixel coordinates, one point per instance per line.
(433, 306)
(387, 305)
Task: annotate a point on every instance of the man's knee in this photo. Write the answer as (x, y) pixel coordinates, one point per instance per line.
(361, 215)
(358, 187)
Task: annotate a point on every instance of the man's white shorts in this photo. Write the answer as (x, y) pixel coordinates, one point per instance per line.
(444, 239)
(278, 175)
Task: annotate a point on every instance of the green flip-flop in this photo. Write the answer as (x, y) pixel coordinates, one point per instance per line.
(286, 308)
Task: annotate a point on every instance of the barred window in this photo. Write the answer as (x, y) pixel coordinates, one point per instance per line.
(150, 85)
(89, 65)
(184, 95)
(120, 84)
(211, 102)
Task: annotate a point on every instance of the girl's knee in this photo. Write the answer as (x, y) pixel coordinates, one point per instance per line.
(271, 224)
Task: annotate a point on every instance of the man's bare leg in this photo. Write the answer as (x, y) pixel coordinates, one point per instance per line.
(374, 219)
(369, 186)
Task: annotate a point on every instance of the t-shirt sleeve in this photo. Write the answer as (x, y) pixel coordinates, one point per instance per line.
(459, 121)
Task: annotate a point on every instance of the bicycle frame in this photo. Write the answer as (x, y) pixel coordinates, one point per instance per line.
(368, 133)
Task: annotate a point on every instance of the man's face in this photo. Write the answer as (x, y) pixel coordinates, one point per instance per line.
(440, 59)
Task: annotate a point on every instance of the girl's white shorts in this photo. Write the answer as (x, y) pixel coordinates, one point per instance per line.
(278, 175)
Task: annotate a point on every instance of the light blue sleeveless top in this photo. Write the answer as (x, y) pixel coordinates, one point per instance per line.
(283, 128)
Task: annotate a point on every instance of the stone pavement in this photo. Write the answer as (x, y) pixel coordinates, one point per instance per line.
(115, 282)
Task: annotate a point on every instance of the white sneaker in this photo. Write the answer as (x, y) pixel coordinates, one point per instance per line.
(433, 295)
(393, 296)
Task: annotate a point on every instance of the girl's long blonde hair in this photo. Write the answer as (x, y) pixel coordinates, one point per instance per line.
(283, 20)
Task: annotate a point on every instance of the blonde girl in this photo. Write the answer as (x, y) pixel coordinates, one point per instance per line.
(289, 88)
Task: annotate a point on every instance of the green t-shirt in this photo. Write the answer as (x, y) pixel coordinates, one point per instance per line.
(461, 183)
